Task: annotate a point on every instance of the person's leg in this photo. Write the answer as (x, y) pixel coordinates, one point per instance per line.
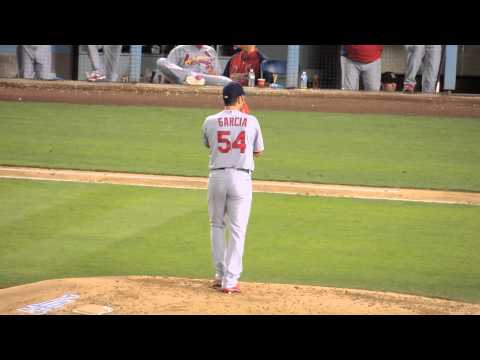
(28, 59)
(43, 60)
(372, 75)
(216, 80)
(415, 54)
(177, 75)
(217, 194)
(431, 65)
(94, 56)
(352, 72)
(112, 61)
(239, 201)
(172, 72)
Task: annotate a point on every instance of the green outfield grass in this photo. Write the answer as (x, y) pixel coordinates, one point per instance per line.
(56, 230)
(375, 150)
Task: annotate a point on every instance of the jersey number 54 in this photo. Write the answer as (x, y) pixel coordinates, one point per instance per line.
(225, 146)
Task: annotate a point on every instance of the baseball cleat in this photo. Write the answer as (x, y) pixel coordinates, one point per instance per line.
(196, 79)
(235, 289)
(408, 88)
(96, 76)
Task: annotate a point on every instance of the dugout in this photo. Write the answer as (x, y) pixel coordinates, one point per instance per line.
(70, 62)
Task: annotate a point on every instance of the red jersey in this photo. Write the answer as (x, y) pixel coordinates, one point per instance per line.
(364, 53)
(240, 64)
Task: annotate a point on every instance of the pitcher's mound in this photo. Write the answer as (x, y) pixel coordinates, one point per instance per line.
(168, 295)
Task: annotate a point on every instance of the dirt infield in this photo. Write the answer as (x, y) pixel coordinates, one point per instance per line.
(79, 92)
(178, 296)
(277, 187)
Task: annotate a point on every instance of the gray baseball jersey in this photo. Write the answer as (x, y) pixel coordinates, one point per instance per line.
(190, 57)
(233, 137)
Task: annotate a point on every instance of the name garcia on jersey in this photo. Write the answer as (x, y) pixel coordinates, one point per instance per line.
(232, 121)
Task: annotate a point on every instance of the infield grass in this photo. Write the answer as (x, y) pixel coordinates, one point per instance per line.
(373, 150)
(57, 230)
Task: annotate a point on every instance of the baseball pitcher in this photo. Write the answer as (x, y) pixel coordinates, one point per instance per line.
(234, 138)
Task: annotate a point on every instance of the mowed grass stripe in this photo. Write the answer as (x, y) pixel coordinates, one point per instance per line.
(55, 230)
(372, 150)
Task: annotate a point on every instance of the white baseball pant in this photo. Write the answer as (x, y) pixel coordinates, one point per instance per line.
(36, 62)
(110, 65)
(430, 57)
(229, 201)
(371, 74)
(177, 74)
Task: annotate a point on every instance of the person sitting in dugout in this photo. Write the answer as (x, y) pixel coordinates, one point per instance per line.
(192, 65)
(389, 81)
(239, 65)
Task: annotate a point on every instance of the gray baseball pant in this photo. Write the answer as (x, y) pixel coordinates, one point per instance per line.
(371, 75)
(36, 62)
(177, 75)
(110, 65)
(430, 57)
(94, 56)
(431, 66)
(229, 205)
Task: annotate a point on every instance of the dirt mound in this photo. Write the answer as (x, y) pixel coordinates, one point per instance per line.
(168, 295)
